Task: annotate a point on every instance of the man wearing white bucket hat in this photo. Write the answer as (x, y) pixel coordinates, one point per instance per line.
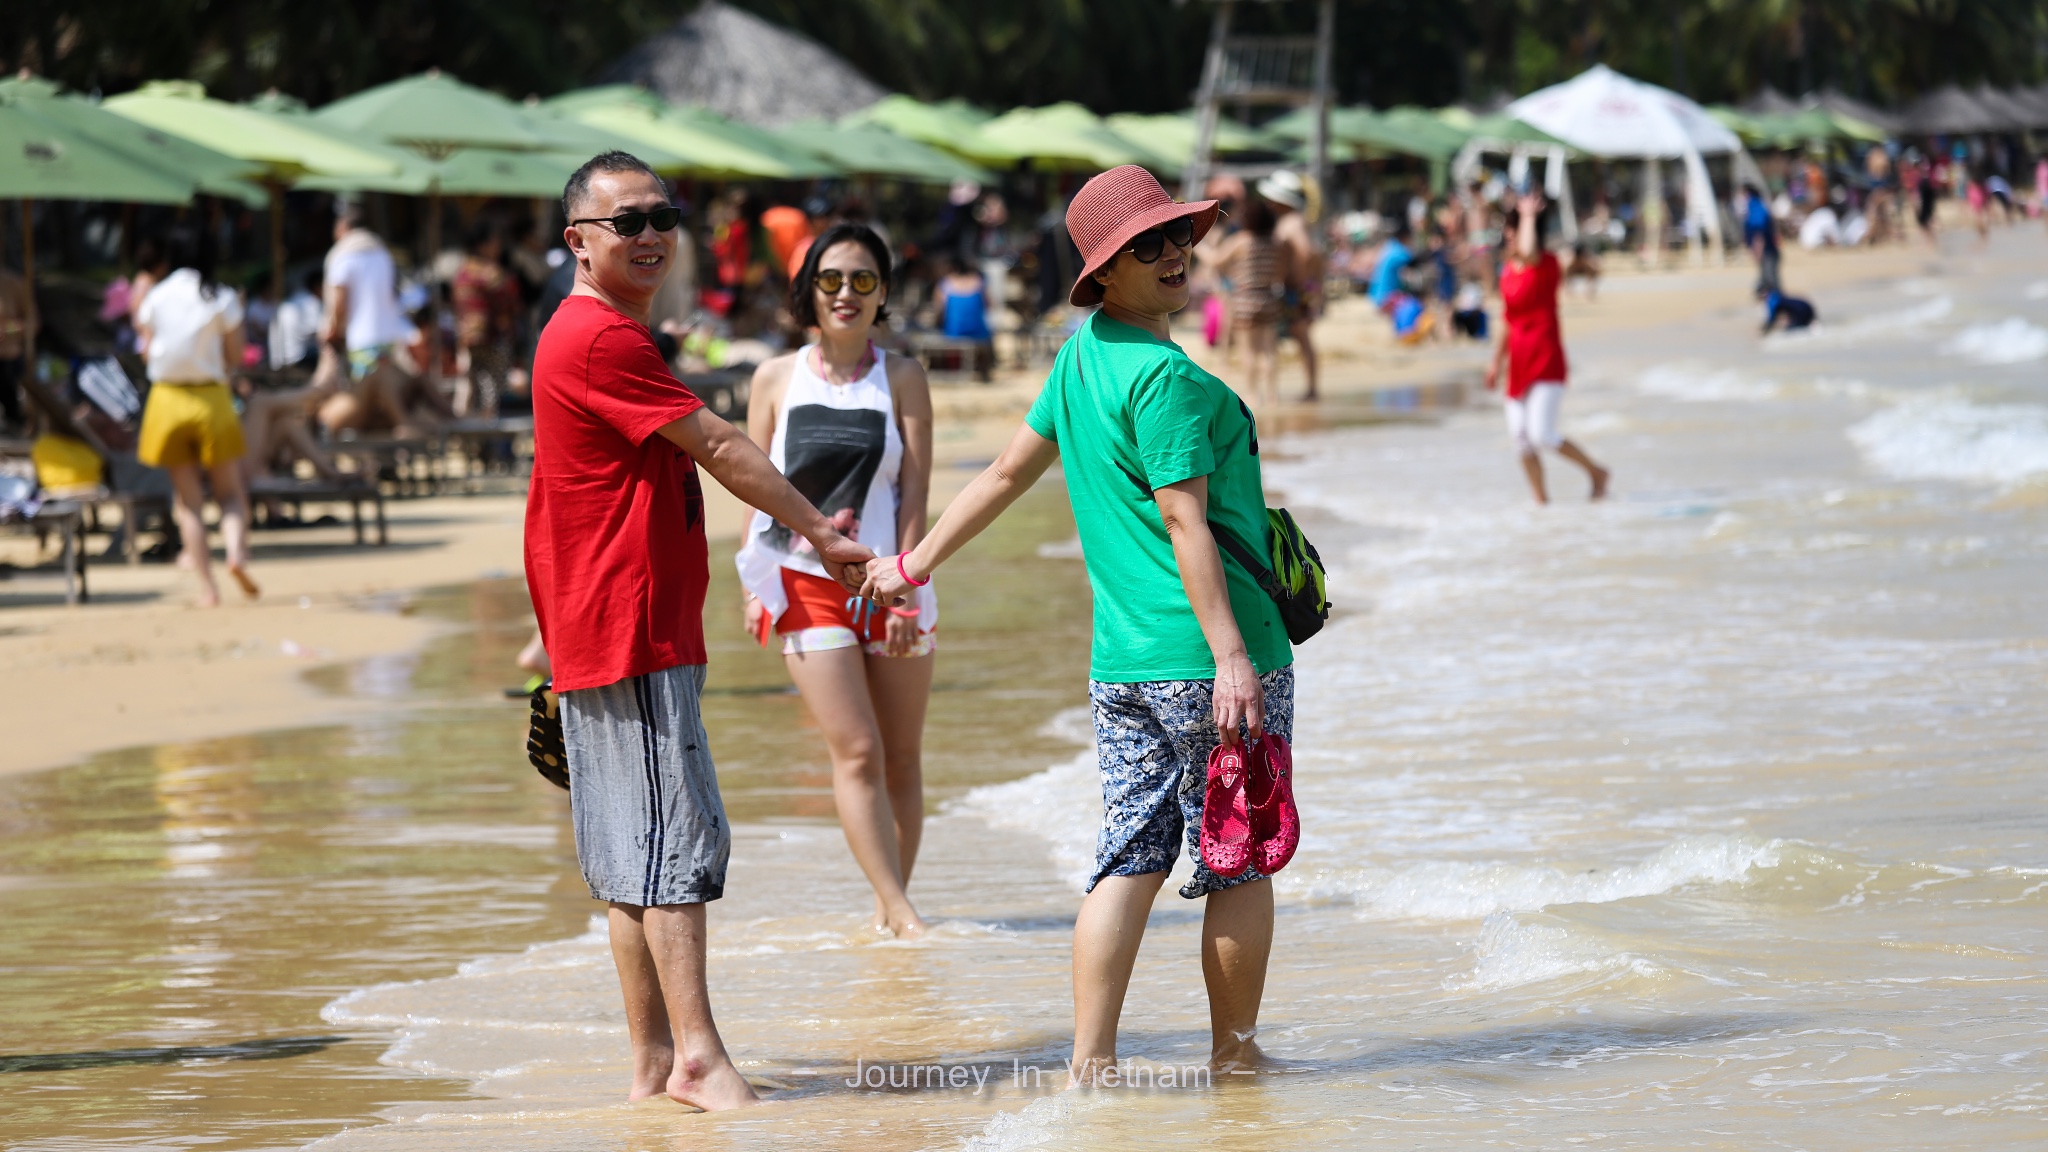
(1284, 190)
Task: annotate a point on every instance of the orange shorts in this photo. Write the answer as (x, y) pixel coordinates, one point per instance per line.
(822, 615)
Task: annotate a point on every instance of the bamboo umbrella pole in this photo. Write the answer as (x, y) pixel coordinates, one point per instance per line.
(433, 372)
(28, 275)
(276, 241)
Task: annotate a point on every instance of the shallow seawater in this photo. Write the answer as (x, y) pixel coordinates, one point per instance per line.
(178, 916)
(1710, 817)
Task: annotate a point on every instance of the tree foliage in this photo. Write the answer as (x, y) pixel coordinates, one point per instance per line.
(1113, 55)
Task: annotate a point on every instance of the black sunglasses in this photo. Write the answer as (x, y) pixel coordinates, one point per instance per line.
(634, 222)
(830, 280)
(1148, 245)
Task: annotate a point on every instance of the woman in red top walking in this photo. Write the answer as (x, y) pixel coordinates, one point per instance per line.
(1532, 349)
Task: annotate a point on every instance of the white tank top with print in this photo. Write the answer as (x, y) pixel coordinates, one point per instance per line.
(840, 446)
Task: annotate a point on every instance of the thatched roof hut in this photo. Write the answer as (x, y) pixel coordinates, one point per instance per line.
(1950, 110)
(745, 68)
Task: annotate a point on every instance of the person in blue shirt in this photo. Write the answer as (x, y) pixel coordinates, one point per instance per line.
(1796, 313)
(965, 297)
(1386, 276)
(1760, 236)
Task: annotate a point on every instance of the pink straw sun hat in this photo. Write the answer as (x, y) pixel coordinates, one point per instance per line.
(1113, 208)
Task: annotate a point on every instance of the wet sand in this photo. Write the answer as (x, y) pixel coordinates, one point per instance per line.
(180, 914)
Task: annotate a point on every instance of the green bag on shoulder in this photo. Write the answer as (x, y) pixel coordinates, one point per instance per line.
(1295, 578)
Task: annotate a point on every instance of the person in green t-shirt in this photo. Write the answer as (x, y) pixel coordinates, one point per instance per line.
(1160, 456)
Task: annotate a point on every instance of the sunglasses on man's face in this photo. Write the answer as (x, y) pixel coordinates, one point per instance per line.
(632, 223)
(831, 280)
(1150, 244)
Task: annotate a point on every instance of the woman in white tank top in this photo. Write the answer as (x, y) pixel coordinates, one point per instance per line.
(851, 426)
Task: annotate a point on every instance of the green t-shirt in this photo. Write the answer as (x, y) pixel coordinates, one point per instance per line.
(1131, 413)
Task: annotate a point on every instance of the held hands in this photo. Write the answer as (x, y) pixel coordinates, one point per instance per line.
(1238, 697)
(885, 584)
(845, 559)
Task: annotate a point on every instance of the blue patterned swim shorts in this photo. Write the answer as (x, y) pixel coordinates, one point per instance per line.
(1152, 743)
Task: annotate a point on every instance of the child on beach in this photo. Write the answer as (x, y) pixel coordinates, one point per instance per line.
(1794, 312)
(1532, 352)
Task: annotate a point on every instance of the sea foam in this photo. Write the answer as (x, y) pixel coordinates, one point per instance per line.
(1062, 805)
(1513, 951)
(1445, 890)
(1698, 382)
(1902, 322)
(1998, 444)
(2008, 341)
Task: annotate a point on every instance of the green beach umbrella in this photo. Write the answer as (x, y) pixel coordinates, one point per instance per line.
(700, 150)
(602, 96)
(496, 172)
(407, 173)
(566, 135)
(433, 114)
(953, 125)
(796, 164)
(1795, 128)
(42, 159)
(872, 150)
(215, 173)
(1171, 135)
(1496, 126)
(468, 172)
(1066, 137)
(1403, 131)
(285, 150)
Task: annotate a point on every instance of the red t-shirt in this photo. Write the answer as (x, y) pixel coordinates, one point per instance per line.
(1528, 296)
(615, 554)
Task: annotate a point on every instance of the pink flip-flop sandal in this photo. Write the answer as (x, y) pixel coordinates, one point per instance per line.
(1226, 822)
(1269, 801)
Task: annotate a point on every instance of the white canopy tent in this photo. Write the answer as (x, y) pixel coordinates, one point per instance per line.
(1603, 113)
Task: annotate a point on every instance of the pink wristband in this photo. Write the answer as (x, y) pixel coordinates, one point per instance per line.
(906, 613)
(906, 575)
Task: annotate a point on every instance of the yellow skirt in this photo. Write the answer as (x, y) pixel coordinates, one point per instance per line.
(189, 424)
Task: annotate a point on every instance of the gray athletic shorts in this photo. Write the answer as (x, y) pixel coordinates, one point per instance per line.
(650, 828)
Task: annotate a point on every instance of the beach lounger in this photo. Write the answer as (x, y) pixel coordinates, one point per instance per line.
(953, 356)
(66, 518)
(723, 390)
(299, 493)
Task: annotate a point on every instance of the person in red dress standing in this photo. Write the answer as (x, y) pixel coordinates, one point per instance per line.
(1532, 351)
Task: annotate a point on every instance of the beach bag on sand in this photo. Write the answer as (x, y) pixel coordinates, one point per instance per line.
(1295, 580)
(544, 744)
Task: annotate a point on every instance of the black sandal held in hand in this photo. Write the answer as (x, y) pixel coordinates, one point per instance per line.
(544, 744)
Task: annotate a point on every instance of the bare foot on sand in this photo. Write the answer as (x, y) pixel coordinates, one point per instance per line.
(712, 1087)
(1600, 476)
(1237, 1058)
(903, 924)
(243, 579)
(209, 593)
(652, 1080)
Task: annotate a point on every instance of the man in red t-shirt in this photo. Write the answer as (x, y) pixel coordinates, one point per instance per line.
(616, 564)
(1532, 350)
